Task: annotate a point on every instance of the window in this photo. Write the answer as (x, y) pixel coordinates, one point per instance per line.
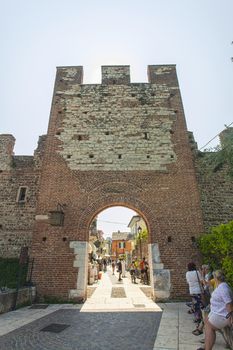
(121, 245)
(22, 192)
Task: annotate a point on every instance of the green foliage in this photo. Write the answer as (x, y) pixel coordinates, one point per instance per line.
(143, 236)
(9, 270)
(217, 249)
(26, 303)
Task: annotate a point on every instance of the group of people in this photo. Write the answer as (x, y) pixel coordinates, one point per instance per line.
(138, 269)
(213, 314)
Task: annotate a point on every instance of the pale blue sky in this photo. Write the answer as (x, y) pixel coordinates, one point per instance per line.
(37, 36)
(114, 219)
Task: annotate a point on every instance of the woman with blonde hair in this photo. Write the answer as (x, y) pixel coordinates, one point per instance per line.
(221, 310)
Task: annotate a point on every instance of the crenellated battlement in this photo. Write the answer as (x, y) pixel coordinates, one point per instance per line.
(162, 74)
(7, 143)
(118, 75)
(115, 75)
(87, 119)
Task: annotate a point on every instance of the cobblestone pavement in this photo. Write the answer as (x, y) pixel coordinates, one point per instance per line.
(87, 331)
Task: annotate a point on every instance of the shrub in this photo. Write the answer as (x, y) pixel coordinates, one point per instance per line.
(9, 273)
(217, 249)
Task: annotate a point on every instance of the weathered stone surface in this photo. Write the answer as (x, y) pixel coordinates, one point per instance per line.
(25, 295)
(215, 186)
(162, 280)
(116, 127)
(16, 217)
(6, 150)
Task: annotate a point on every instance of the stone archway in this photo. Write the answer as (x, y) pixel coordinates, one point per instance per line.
(160, 277)
(116, 143)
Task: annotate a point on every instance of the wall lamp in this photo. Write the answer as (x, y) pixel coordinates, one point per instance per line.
(54, 217)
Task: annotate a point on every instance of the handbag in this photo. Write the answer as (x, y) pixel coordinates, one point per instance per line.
(205, 298)
(205, 294)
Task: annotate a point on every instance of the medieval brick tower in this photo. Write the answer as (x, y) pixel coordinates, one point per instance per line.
(116, 143)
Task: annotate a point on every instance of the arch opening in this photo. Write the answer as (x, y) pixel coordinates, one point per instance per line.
(99, 246)
(116, 233)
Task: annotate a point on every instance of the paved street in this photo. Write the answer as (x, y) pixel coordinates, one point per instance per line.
(109, 320)
(86, 330)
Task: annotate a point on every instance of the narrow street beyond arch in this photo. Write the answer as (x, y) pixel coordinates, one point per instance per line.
(113, 295)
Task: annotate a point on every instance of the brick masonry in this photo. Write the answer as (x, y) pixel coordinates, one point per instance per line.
(115, 143)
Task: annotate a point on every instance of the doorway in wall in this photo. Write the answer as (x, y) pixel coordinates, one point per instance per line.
(118, 240)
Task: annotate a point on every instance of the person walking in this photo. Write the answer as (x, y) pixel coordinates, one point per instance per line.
(123, 267)
(136, 263)
(144, 267)
(119, 266)
(105, 264)
(113, 267)
(133, 272)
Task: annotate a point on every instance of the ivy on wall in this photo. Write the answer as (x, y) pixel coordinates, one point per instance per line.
(143, 236)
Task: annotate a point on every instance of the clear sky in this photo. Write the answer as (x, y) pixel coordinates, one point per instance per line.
(114, 219)
(37, 36)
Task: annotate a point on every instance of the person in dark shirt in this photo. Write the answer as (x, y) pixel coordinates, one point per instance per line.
(119, 265)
